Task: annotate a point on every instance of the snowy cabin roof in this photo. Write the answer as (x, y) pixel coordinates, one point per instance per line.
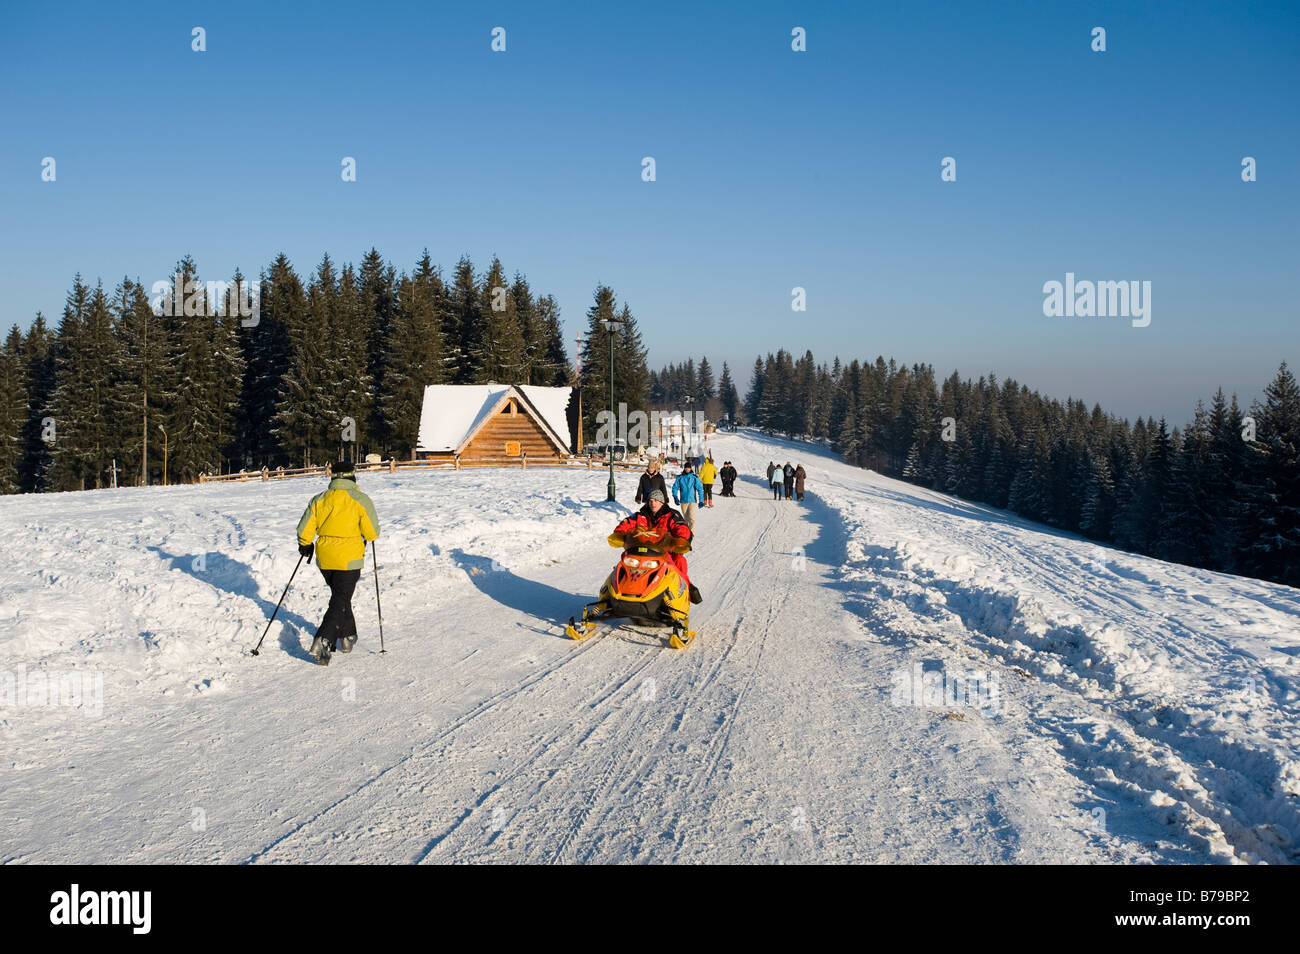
(453, 412)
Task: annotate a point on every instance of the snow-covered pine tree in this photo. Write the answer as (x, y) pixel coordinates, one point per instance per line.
(228, 373)
(142, 368)
(353, 390)
(553, 369)
(498, 354)
(846, 441)
(1099, 499)
(308, 415)
(1127, 525)
(912, 464)
(39, 352)
(525, 312)
(413, 355)
(192, 417)
(80, 455)
(1186, 524)
(704, 380)
(368, 309)
(13, 411)
(727, 394)
(463, 329)
(267, 349)
(1030, 494)
(754, 396)
(1226, 470)
(595, 359)
(631, 375)
(1271, 548)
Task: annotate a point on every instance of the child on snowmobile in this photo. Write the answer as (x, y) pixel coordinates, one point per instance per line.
(657, 515)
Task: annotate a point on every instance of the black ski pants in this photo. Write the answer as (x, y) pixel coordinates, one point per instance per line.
(339, 621)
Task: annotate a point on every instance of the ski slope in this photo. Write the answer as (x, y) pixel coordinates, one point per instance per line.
(1142, 712)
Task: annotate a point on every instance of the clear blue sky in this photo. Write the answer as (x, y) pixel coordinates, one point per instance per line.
(775, 169)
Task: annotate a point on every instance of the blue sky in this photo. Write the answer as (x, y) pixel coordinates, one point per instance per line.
(775, 169)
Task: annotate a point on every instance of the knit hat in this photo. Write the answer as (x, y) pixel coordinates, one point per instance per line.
(658, 495)
(343, 468)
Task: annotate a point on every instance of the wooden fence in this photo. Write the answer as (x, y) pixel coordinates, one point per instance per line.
(393, 466)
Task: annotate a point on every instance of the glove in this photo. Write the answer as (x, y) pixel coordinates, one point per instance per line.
(306, 549)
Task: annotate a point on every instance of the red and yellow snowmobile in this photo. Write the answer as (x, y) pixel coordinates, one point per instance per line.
(644, 588)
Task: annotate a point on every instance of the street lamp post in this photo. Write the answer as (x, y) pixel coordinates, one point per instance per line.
(611, 325)
(164, 430)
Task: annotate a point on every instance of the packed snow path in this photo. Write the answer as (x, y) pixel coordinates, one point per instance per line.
(1145, 711)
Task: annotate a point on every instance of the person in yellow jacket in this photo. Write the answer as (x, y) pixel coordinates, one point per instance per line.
(708, 474)
(336, 525)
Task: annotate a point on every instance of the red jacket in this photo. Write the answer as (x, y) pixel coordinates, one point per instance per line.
(667, 519)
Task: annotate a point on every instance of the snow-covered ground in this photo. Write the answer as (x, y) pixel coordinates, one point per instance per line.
(1099, 706)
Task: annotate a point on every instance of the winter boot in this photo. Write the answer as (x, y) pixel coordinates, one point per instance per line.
(695, 594)
(320, 650)
(346, 643)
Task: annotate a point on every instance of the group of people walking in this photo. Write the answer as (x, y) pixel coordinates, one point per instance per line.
(787, 478)
(690, 491)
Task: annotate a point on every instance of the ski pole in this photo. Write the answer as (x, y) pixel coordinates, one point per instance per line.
(277, 605)
(379, 606)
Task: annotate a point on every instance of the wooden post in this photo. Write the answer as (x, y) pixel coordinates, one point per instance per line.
(266, 473)
(392, 465)
(523, 461)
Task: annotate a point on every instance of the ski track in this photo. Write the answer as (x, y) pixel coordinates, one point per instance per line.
(487, 737)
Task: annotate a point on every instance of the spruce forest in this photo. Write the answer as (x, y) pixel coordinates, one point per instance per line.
(1223, 493)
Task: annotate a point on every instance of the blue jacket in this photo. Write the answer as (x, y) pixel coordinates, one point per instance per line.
(688, 489)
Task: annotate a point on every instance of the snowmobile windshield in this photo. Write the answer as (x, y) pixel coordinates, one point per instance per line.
(648, 540)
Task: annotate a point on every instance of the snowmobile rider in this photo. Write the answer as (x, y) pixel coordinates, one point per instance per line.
(336, 525)
(657, 515)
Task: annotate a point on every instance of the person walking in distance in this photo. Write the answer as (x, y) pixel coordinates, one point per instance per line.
(776, 477)
(728, 477)
(800, 475)
(788, 471)
(650, 480)
(336, 526)
(688, 493)
(708, 474)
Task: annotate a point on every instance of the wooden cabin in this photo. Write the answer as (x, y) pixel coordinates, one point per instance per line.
(493, 422)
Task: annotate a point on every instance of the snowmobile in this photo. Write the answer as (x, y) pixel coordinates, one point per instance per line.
(643, 588)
